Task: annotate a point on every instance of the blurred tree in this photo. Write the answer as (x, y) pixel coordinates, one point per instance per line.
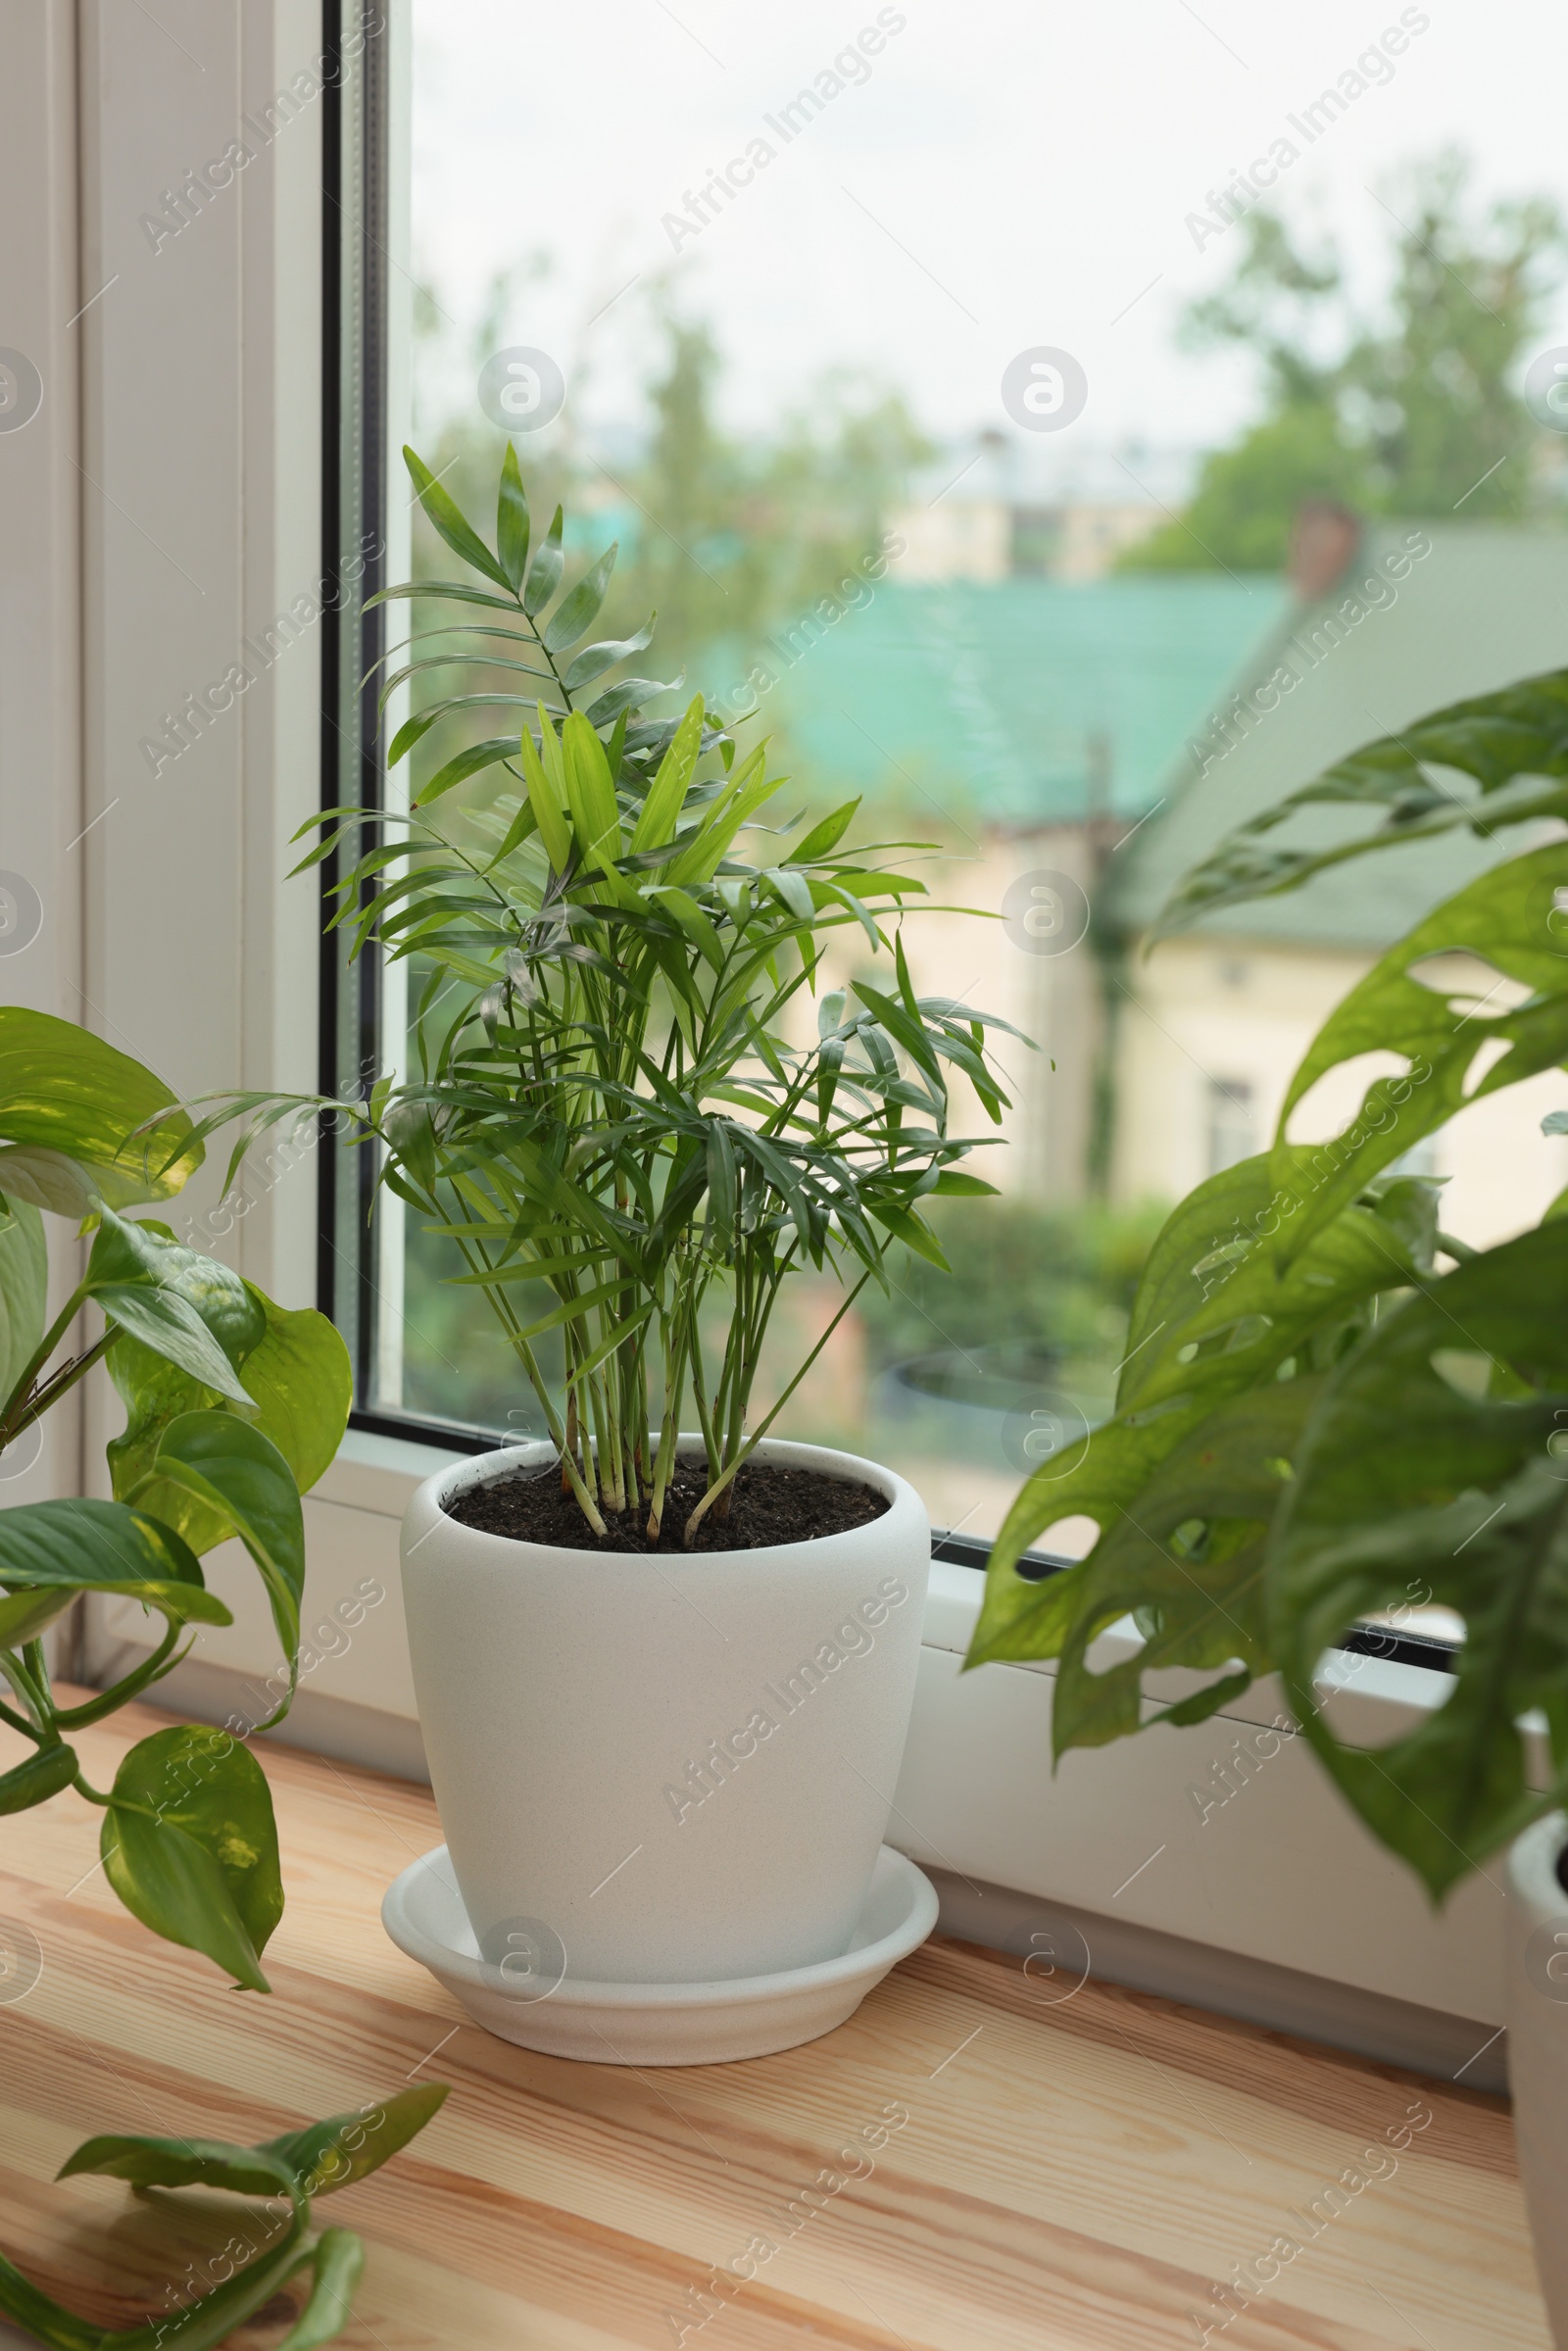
(1059, 1280)
(1413, 417)
(742, 537)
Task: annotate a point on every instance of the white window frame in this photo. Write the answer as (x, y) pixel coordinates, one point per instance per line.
(170, 507)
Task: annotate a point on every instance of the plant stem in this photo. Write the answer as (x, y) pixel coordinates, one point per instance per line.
(750, 1447)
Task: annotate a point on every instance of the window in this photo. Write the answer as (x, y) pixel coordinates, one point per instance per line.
(792, 319)
(1068, 689)
(1231, 1133)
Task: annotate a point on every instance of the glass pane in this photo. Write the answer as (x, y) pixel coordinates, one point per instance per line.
(1069, 431)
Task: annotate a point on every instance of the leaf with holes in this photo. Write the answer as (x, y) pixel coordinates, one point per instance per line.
(1437, 1463)
(1217, 1316)
(1457, 1045)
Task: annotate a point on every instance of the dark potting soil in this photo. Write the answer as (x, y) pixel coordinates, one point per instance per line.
(767, 1505)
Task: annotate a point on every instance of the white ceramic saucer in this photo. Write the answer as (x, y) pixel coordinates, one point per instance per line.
(658, 2024)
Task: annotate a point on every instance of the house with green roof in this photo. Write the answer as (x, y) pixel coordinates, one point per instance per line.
(1020, 704)
(1079, 746)
(1027, 724)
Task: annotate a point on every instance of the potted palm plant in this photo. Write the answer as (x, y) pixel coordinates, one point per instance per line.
(664, 1659)
(1329, 1403)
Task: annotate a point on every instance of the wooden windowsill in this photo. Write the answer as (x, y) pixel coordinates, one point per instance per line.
(1074, 2174)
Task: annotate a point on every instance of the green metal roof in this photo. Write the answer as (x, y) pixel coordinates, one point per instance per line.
(1488, 604)
(985, 697)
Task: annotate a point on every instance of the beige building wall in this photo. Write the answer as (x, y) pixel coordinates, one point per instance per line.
(1207, 1014)
(954, 538)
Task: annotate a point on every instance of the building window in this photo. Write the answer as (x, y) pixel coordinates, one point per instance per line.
(1230, 1123)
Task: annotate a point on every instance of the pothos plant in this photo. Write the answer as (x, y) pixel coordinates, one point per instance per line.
(234, 1408)
(1327, 1402)
(624, 1086)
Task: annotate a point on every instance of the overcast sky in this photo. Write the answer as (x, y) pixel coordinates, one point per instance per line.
(1005, 176)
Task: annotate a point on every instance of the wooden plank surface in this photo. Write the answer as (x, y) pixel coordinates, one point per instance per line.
(1070, 2176)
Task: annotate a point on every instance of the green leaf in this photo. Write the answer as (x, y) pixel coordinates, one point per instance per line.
(190, 1846)
(240, 1476)
(24, 1291)
(41, 1776)
(545, 575)
(346, 2147)
(574, 615)
(301, 1382)
(190, 1308)
(594, 660)
(824, 836)
(180, 2162)
(471, 761)
(629, 695)
(1446, 1032)
(337, 2261)
(721, 1182)
(1445, 1481)
(590, 792)
(64, 1090)
(512, 520)
(1217, 1316)
(794, 891)
(211, 2319)
(49, 1551)
(1507, 742)
(1204, 1599)
(47, 1179)
(667, 793)
(543, 797)
(169, 1326)
(452, 523)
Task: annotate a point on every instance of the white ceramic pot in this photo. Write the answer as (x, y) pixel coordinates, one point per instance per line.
(667, 1768)
(1538, 2049)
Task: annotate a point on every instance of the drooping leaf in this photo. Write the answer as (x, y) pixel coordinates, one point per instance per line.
(47, 1179)
(185, 1307)
(190, 1846)
(170, 1325)
(298, 1376)
(231, 1470)
(49, 1551)
(62, 1089)
(346, 2147)
(179, 2163)
(44, 1774)
(24, 1291)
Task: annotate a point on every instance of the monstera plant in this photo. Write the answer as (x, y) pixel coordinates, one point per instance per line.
(1328, 1402)
(234, 1408)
